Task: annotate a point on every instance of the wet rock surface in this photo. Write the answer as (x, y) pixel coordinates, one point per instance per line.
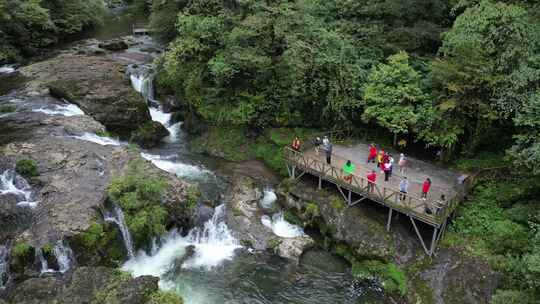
(95, 83)
(87, 285)
(244, 214)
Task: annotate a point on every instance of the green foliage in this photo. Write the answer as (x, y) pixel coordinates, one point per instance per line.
(29, 24)
(104, 133)
(20, 249)
(27, 167)
(273, 245)
(165, 297)
(337, 203)
(312, 211)
(292, 218)
(392, 278)
(392, 95)
(7, 108)
(139, 196)
(228, 143)
(99, 245)
(482, 160)
(495, 224)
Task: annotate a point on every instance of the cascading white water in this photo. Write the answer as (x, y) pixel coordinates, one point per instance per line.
(4, 266)
(44, 264)
(64, 256)
(281, 227)
(269, 198)
(12, 183)
(117, 217)
(213, 244)
(7, 69)
(100, 140)
(180, 169)
(65, 110)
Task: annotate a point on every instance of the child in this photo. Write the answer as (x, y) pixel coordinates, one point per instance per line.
(402, 163)
(371, 177)
(372, 153)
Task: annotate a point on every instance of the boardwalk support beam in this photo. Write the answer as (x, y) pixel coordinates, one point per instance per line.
(433, 241)
(420, 237)
(389, 219)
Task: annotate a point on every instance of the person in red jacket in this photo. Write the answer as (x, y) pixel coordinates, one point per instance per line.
(372, 153)
(425, 188)
(371, 177)
(296, 143)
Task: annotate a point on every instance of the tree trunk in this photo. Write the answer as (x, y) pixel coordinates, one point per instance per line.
(395, 139)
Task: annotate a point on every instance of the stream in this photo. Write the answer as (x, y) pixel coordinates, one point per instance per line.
(207, 264)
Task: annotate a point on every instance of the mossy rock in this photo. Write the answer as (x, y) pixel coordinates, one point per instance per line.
(165, 297)
(22, 256)
(100, 245)
(393, 280)
(27, 167)
(149, 134)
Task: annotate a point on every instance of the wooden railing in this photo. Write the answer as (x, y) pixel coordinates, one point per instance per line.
(389, 196)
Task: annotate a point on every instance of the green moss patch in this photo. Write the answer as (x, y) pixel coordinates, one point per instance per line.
(26, 167)
(7, 108)
(140, 196)
(392, 278)
(165, 297)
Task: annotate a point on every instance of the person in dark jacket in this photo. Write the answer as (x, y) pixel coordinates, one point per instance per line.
(328, 151)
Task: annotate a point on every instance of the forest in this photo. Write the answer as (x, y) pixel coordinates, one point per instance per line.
(459, 76)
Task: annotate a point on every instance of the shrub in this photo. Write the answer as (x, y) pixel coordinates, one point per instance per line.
(165, 297)
(20, 249)
(26, 167)
(312, 211)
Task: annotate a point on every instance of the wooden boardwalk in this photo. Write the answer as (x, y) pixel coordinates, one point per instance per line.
(139, 29)
(432, 211)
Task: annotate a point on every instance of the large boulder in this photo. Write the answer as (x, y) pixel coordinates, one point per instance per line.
(113, 45)
(96, 84)
(87, 285)
(149, 134)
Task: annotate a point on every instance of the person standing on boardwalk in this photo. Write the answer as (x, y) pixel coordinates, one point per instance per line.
(403, 188)
(425, 188)
(391, 162)
(402, 163)
(372, 153)
(348, 171)
(371, 177)
(296, 143)
(328, 151)
(317, 143)
(380, 157)
(387, 169)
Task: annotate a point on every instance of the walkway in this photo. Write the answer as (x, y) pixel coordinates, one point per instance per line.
(434, 211)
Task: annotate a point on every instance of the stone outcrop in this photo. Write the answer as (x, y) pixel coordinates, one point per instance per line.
(244, 214)
(149, 134)
(87, 285)
(96, 84)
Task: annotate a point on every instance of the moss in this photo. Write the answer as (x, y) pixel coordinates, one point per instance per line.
(312, 210)
(26, 167)
(48, 249)
(228, 143)
(392, 278)
(273, 245)
(165, 297)
(246, 243)
(140, 195)
(422, 291)
(236, 211)
(292, 218)
(193, 195)
(20, 250)
(7, 108)
(337, 204)
(104, 133)
(99, 245)
(344, 251)
(149, 134)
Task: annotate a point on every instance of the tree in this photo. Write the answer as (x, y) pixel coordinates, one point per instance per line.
(392, 95)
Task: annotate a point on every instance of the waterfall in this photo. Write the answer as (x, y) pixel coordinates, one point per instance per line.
(143, 82)
(68, 109)
(7, 69)
(14, 184)
(100, 140)
(64, 256)
(213, 244)
(269, 198)
(281, 227)
(44, 264)
(117, 217)
(179, 169)
(4, 266)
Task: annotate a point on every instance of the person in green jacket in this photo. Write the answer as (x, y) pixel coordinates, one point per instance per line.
(348, 171)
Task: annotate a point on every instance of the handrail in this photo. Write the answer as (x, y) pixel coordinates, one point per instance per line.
(388, 195)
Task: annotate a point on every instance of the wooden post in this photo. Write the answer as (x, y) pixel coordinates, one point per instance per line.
(320, 182)
(389, 219)
(420, 237)
(433, 241)
(349, 199)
